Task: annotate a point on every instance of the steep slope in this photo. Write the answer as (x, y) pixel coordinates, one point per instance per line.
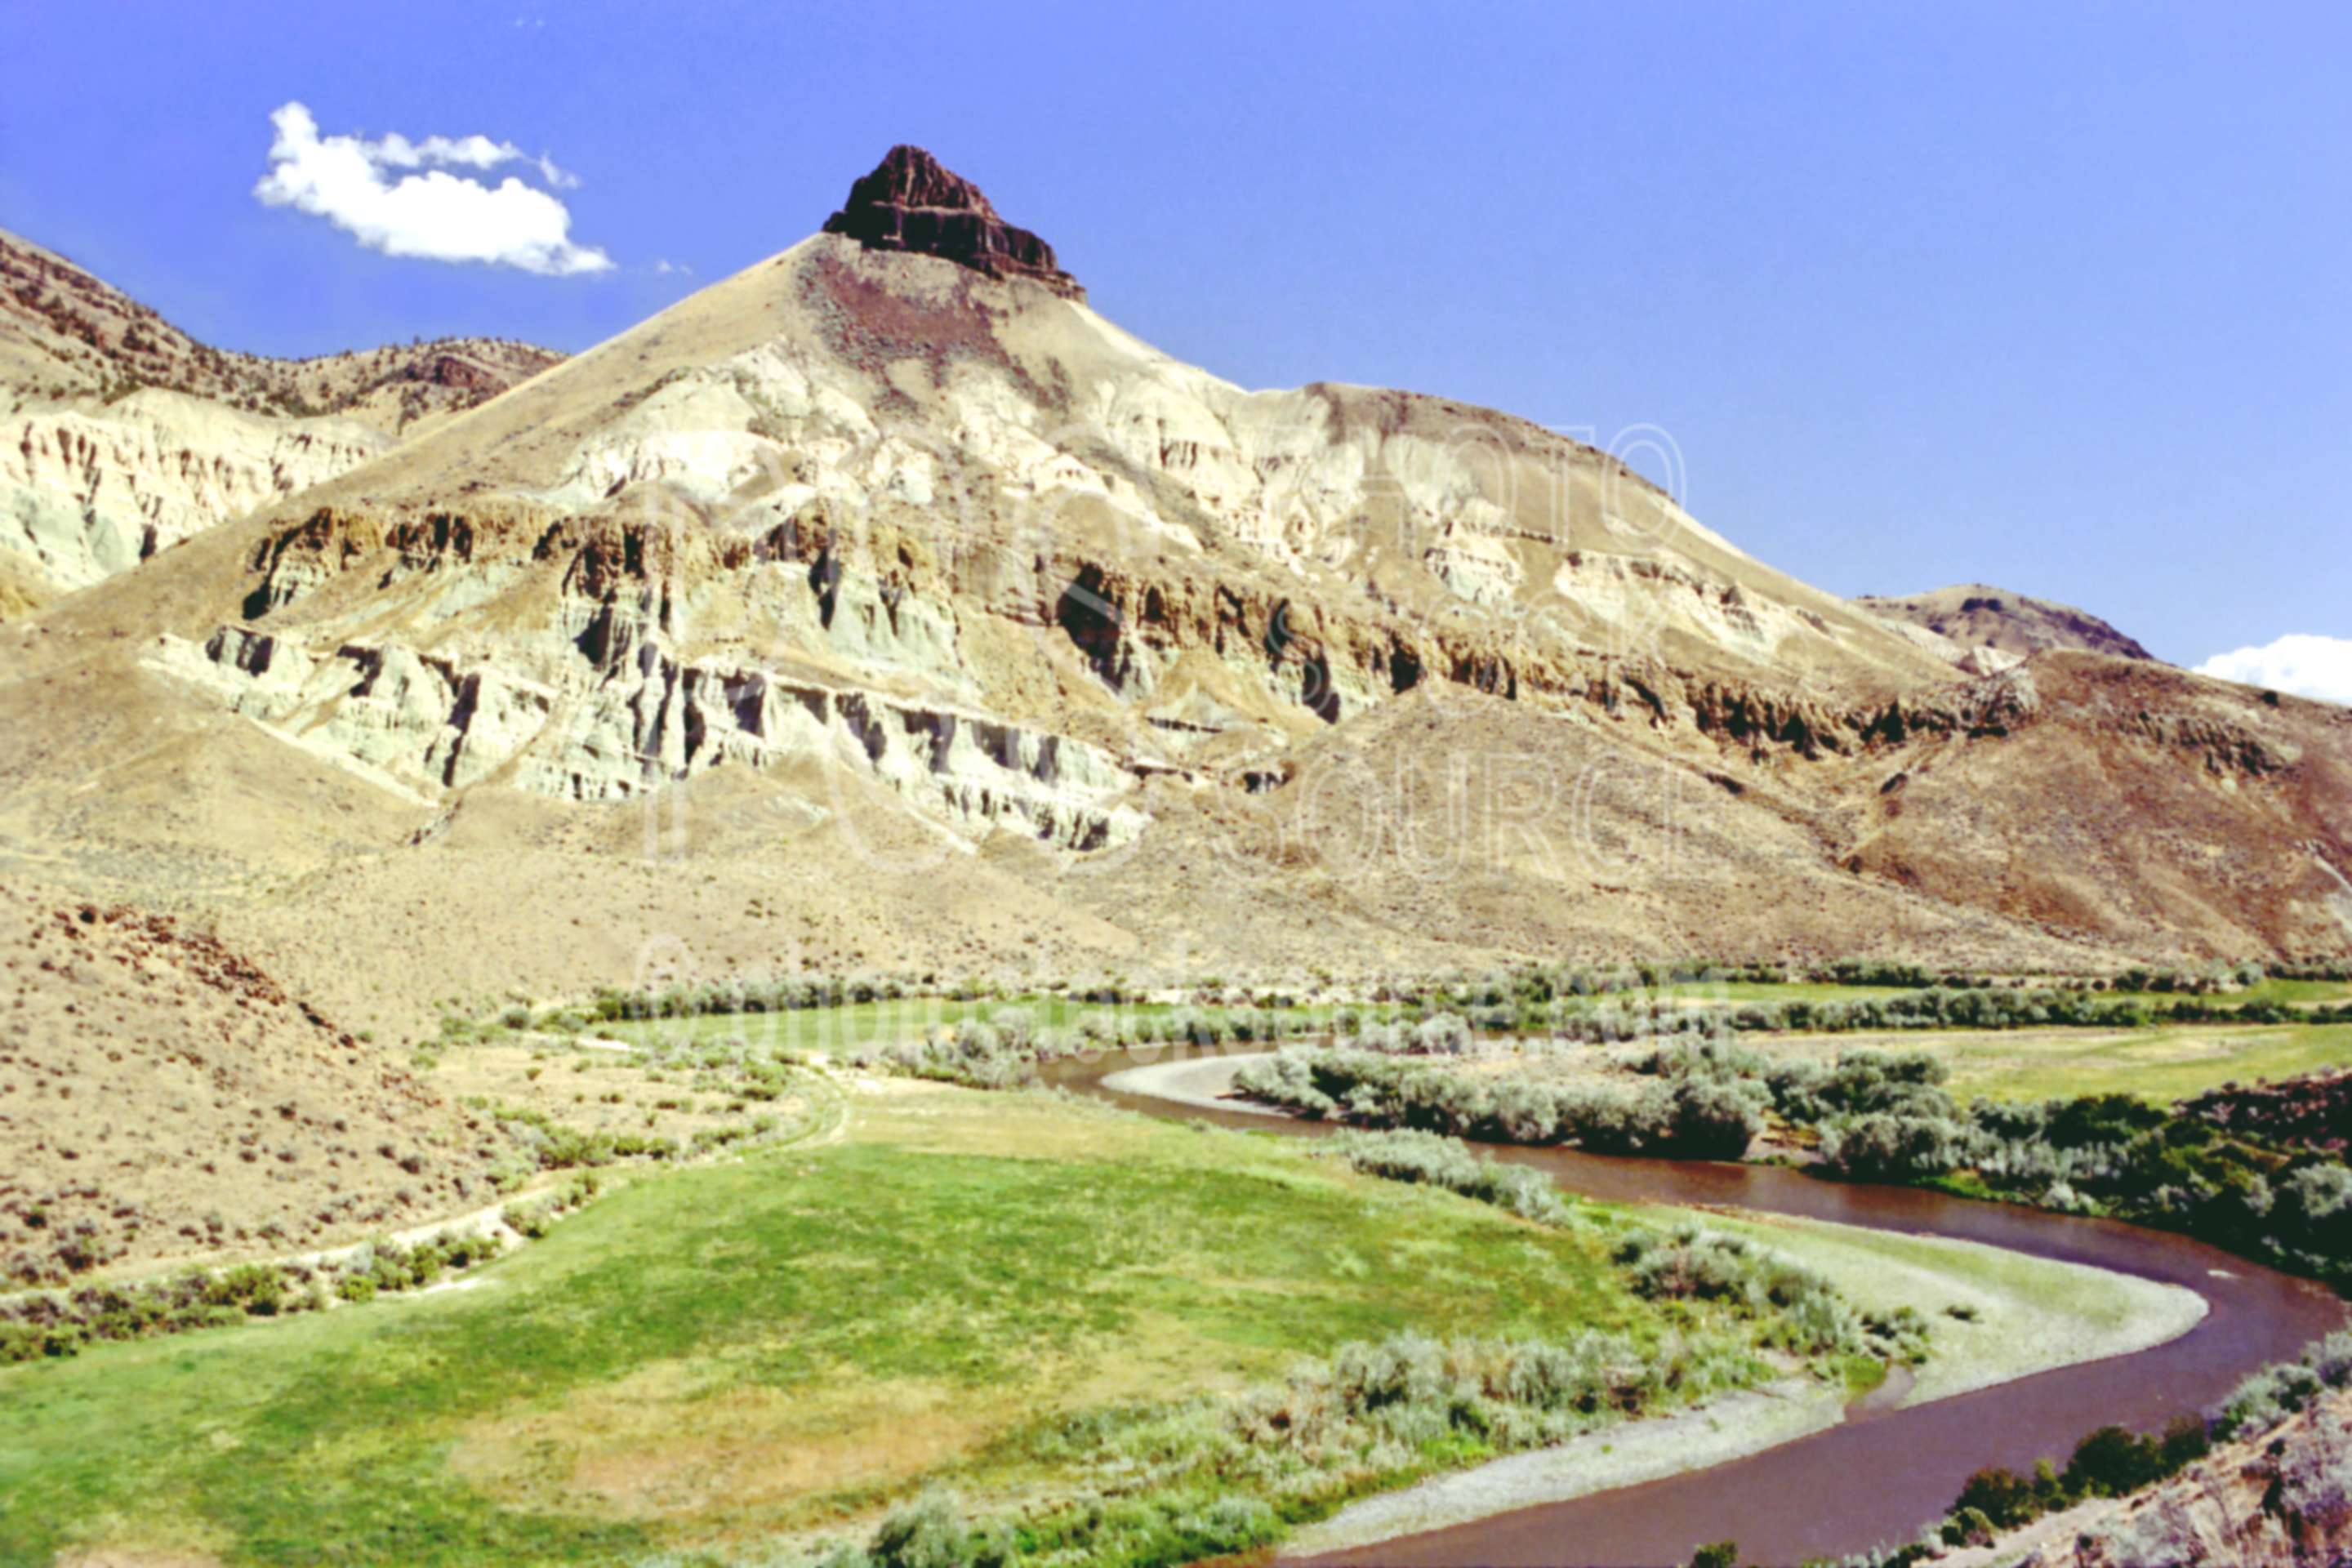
(120, 434)
(1975, 616)
(880, 501)
(2282, 1499)
(165, 1098)
(2132, 799)
(926, 616)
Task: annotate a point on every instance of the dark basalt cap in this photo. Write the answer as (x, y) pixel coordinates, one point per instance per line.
(910, 202)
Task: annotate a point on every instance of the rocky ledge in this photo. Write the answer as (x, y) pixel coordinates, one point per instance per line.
(910, 202)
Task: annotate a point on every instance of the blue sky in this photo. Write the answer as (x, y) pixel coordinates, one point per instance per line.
(2050, 296)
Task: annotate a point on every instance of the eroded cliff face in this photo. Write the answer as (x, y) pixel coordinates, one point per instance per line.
(88, 490)
(888, 512)
(121, 436)
(2283, 1501)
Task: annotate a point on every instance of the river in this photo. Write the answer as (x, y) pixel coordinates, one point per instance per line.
(1872, 1481)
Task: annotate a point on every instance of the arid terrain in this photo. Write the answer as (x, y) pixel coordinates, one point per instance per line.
(428, 774)
(870, 568)
(125, 436)
(160, 1097)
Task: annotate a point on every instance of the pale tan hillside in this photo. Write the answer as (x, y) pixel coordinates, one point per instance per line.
(162, 1097)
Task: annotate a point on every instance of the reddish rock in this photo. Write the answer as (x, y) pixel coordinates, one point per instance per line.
(910, 202)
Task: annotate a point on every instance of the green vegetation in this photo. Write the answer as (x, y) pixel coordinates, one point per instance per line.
(57, 1323)
(1569, 1002)
(1804, 1313)
(2160, 1065)
(993, 1295)
(2112, 1462)
(1697, 1119)
(1443, 1163)
(1997, 1314)
(1877, 1117)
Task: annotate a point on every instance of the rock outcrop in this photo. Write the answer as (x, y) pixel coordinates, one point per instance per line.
(2282, 1501)
(910, 202)
(90, 489)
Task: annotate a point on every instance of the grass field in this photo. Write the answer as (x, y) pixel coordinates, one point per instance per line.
(2163, 1064)
(865, 1025)
(787, 1345)
(2290, 992)
(1748, 990)
(774, 1344)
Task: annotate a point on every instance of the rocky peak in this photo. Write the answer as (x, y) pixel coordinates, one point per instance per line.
(912, 202)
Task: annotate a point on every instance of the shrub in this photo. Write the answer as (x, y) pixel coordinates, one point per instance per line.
(1882, 1147)
(2002, 1497)
(2112, 1462)
(929, 1535)
(1409, 1156)
(1802, 1312)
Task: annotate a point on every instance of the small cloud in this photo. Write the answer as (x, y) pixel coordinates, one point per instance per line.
(2302, 662)
(429, 212)
(665, 268)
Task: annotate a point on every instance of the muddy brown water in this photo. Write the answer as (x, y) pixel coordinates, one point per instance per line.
(1876, 1478)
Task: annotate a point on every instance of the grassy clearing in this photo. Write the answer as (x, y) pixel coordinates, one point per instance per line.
(2287, 992)
(782, 1343)
(868, 1026)
(1700, 993)
(2161, 1065)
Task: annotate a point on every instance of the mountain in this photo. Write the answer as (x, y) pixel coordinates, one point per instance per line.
(120, 435)
(1975, 616)
(885, 604)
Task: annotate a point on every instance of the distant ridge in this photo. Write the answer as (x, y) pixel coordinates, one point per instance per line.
(1975, 615)
(122, 434)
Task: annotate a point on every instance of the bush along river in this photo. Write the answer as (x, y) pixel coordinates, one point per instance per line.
(1877, 1478)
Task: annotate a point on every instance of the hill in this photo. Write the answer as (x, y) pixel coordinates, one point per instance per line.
(1976, 616)
(120, 434)
(883, 605)
(165, 1098)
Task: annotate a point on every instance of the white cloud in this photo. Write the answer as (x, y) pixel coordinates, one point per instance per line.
(349, 181)
(2301, 662)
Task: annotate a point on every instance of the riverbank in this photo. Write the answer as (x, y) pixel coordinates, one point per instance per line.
(1713, 1434)
(1999, 1316)
(2023, 1316)
(1205, 1083)
(1019, 1299)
